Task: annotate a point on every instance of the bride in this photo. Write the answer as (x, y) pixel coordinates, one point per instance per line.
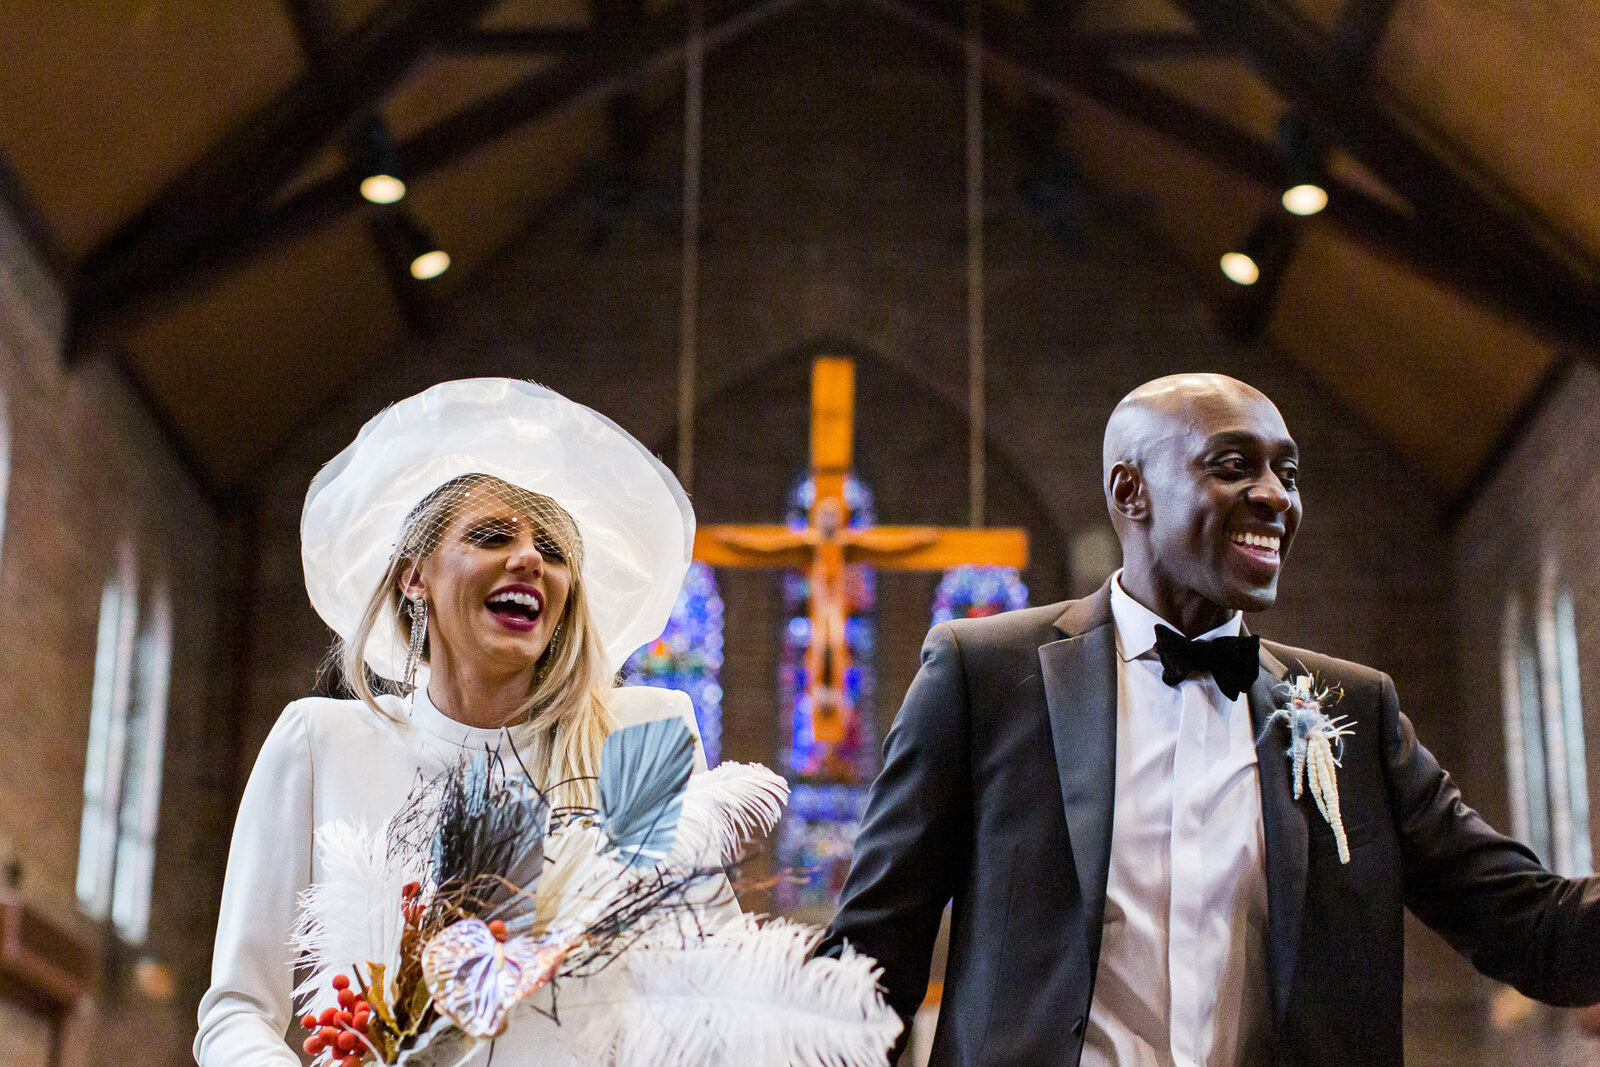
(488, 553)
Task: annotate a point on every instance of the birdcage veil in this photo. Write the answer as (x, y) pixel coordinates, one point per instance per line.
(595, 494)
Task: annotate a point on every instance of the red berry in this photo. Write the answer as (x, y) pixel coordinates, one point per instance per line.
(309, 1022)
(341, 981)
(350, 1061)
(327, 1016)
(362, 1021)
(498, 929)
(328, 1035)
(411, 889)
(312, 1045)
(347, 1042)
(347, 997)
(343, 1019)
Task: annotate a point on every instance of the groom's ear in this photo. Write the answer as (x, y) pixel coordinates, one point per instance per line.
(1125, 488)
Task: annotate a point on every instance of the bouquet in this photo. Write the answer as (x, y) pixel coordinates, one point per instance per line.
(481, 902)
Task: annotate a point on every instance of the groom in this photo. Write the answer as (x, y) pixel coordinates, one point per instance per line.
(1135, 882)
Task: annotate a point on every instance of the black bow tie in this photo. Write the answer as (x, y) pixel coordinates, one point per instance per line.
(1233, 662)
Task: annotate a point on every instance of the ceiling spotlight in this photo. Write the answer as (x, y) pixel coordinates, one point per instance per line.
(1264, 253)
(382, 188)
(422, 253)
(430, 264)
(374, 154)
(1307, 198)
(1240, 268)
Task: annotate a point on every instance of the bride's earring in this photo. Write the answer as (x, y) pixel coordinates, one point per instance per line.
(419, 639)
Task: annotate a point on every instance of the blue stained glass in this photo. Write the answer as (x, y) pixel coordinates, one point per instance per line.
(978, 590)
(815, 842)
(688, 655)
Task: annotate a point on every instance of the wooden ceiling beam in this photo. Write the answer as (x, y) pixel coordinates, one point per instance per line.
(221, 192)
(1362, 27)
(614, 60)
(24, 211)
(1565, 313)
(1103, 46)
(518, 40)
(610, 63)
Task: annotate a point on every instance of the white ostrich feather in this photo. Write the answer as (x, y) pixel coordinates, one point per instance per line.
(351, 917)
(722, 809)
(580, 879)
(744, 996)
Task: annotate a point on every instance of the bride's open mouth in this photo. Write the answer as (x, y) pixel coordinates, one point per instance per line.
(516, 607)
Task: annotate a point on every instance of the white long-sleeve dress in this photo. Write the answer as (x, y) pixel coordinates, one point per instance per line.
(335, 759)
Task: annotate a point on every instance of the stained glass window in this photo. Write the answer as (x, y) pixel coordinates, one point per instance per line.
(976, 591)
(828, 783)
(688, 655)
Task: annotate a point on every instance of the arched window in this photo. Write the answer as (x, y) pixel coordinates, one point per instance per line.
(827, 796)
(977, 591)
(141, 793)
(1546, 771)
(127, 738)
(108, 735)
(688, 655)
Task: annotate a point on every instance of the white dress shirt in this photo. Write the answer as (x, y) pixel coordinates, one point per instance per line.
(337, 759)
(1182, 973)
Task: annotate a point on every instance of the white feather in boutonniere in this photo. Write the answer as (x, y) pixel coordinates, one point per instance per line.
(1316, 746)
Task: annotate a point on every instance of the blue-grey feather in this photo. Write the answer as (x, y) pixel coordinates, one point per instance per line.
(643, 772)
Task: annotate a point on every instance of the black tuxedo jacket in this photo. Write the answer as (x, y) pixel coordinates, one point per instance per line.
(996, 794)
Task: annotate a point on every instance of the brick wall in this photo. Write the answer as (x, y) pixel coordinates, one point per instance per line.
(90, 471)
(1540, 508)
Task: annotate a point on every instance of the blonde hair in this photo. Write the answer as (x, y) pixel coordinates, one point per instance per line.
(566, 704)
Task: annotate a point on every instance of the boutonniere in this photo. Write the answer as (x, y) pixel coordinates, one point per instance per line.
(1316, 746)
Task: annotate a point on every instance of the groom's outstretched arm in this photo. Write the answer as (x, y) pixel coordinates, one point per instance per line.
(1486, 893)
(916, 840)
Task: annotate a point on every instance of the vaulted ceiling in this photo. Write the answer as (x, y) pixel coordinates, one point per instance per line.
(192, 171)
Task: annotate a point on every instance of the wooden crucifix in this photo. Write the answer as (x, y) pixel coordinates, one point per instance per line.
(827, 544)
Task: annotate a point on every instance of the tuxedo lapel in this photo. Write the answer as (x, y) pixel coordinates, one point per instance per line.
(1284, 827)
(1080, 684)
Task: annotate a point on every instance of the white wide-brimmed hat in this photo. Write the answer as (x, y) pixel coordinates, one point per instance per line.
(634, 518)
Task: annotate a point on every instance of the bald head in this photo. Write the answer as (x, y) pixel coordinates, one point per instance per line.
(1166, 407)
(1200, 477)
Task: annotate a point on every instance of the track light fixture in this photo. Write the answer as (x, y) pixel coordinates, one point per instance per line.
(1303, 154)
(422, 253)
(380, 166)
(1264, 251)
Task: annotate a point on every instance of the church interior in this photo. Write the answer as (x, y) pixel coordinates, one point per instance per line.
(1001, 216)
